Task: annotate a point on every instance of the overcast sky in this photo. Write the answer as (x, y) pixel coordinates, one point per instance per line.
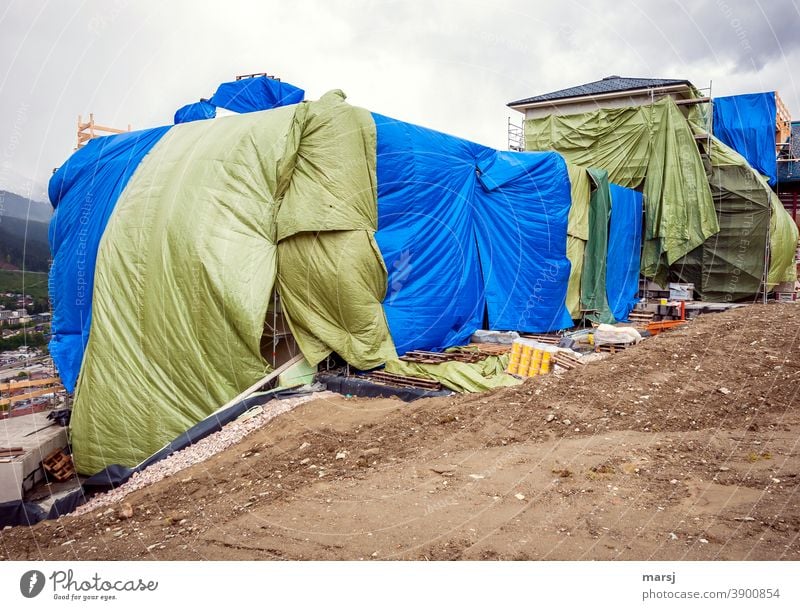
(447, 65)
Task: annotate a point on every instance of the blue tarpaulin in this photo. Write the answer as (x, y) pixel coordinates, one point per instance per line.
(624, 251)
(426, 184)
(746, 123)
(253, 94)
(453, 217)
(521, 224)
(466, 233)
(195, 112)
(83, 192)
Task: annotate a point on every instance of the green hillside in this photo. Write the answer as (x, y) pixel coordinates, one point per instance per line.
(23, 244)
(35, 284)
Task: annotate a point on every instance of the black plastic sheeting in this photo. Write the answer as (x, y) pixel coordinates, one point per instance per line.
(366, 388)
(20, 513)
(26, 513)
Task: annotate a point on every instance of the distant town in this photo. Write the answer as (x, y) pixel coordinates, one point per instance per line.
(28, 381)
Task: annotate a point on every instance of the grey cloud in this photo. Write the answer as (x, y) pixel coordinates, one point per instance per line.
(449, 65)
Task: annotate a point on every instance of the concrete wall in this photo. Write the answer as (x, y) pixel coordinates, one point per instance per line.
(35, 435)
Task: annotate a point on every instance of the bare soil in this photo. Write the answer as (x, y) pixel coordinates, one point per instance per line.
(684, 447)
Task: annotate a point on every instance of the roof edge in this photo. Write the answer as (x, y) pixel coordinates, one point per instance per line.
(529, 101)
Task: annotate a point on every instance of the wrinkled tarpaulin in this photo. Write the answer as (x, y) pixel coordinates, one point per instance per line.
(612, 272)
(242, 96)
(426, 233)
(746, 123)
(651, 147)
(187, 264)
(783, 235)
(460, 376)
(216, 204)
(594, 299)
(730, 265)
(624, 250)
(619, 140)
(577, 234)
(195, 112)
(522, 212)
(83, 192)
(463, 227)
(254, 94)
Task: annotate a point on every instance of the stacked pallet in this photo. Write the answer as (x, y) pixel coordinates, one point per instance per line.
(640, 317)
(547, 339)
(486, 349)
(612, 348)
(567, 361)
(404, 381)
(424, 357)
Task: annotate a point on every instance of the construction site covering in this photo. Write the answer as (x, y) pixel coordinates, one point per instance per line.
(266, 251)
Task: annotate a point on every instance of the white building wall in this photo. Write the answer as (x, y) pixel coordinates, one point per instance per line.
(582, 105)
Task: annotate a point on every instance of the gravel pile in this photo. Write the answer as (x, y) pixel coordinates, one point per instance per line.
(202, 450)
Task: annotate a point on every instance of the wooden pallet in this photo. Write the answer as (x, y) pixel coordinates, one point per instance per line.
(404, 381)
(424, 357)
(640, 318)
(567, 361)
(612, 348)
(59, 465)
(467, 356)
(547, 339)
(487, 349)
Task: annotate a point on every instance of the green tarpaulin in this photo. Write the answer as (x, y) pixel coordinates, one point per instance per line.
(708, 214)
(730, 265)
(460, 376)
(593, 278)
(783, 237)
(331, 275)
(577, 234)
(189, 259)
(576, 249)
(331, 285)
(651, 146)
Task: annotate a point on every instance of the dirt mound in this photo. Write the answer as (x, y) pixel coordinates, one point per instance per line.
(683, 447)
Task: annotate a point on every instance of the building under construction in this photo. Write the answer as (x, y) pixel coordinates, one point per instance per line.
(191, 259)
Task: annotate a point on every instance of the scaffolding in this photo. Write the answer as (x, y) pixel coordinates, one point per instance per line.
(783, 123)
(90, 129)
(516, 137)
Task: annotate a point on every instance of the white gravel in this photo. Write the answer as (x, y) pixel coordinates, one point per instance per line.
(200, 451)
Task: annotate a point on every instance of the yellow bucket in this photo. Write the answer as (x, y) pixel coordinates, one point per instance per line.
(535, 364)
(545, 364)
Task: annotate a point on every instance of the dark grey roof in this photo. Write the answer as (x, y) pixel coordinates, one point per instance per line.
(609, 84)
